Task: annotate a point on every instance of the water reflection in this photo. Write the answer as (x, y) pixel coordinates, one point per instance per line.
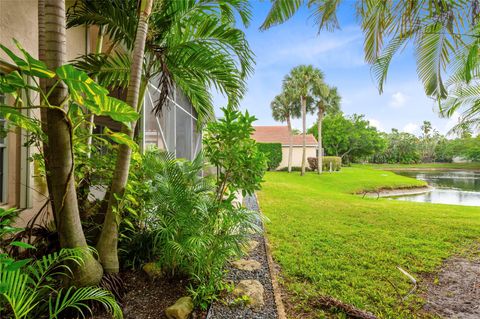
(451, 187)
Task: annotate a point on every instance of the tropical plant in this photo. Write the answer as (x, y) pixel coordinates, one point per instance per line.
(401, 148)
(192, 45)
(285, 107)
(326, 100)
(81, 94)
(301, 81)
(187, 231)
(35, 288)
(229, 147)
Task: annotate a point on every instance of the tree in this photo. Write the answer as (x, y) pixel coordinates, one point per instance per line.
(108, 242)
(443, 33)
(327, 100)
(401, 148)
(301, 80)
(193, 45)
(284, 108)
(351, 138)
(60, 162)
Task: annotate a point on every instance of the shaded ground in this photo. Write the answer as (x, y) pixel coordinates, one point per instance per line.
(455, 292)
(147, 299)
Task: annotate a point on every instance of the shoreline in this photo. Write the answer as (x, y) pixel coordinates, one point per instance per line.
(393, 169)
(394, 192)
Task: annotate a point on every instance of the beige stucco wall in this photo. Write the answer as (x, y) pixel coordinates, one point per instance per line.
(296, 155)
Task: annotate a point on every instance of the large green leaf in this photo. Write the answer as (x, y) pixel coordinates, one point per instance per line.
(115, 108)
(120, 138)
(80, 85)
(11, 82)
(16, 117)
(30, 66)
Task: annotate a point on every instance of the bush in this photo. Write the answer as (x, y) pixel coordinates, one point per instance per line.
(334, 160)
(273, 151)
(186, 229)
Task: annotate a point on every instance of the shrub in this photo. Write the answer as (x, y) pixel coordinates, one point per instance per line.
(37, 288)
(187, 230)
(229, 147)
(273, 151)
(334, 160)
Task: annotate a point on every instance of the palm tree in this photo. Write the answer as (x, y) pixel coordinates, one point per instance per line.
(444, 34)
(301, 80)
(284, 108)
(60, 161)
(108, 241)
(327, 100)
(190, 44)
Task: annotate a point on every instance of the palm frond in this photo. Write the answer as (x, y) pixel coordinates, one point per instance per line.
(281, 11)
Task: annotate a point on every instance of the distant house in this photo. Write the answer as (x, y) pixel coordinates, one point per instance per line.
(280, 134)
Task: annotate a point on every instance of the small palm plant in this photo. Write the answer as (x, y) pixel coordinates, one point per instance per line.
(36, 289)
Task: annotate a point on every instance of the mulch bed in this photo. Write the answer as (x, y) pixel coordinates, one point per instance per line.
(221, 309)
(147, 299)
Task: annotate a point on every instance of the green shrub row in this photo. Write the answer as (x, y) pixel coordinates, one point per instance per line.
(335, 161)
(273, 151)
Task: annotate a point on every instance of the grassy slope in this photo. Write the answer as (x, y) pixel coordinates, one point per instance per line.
(455, 166)
(329, 242)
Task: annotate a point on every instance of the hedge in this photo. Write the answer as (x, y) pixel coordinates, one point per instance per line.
(273, 152)
(335, 160)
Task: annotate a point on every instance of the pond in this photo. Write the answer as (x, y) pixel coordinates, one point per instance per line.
(449, 187)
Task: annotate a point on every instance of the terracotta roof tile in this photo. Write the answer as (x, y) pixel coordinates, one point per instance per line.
(279, 134)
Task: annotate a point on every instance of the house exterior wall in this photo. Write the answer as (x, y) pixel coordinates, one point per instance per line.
(296, 155)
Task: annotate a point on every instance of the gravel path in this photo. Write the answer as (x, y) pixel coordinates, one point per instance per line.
(220, 310)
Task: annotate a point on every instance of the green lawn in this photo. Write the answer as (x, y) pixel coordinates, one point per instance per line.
(443, 166)
(330, 242)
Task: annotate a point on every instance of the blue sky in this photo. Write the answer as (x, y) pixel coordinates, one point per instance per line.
(403, 104)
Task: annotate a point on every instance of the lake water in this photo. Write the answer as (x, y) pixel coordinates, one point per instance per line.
(450, 187)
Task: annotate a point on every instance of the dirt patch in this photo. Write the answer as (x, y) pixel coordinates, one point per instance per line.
(455, 291)
(148, 299)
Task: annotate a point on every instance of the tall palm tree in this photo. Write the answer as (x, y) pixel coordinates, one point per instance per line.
(444, 34)
(301, 80)
(327, 100)
(190, 44)
(108, 241)
(60, 160)
(284, 108)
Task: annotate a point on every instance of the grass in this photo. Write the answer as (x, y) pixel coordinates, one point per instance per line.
(330, 242)
(443, 166)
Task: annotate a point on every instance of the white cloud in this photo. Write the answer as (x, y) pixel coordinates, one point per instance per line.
(410, 128)
(398, 100)
(376, 123)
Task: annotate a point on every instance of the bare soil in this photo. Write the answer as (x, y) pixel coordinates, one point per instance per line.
(147, 299)
(455, 291)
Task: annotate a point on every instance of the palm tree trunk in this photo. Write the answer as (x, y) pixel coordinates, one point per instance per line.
(319, 154)
(107, 243)
(61, 162)
(43, 85)
(290, 146)
(303, 102)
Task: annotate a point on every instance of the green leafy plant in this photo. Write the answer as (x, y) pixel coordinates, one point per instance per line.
(185, 228)
(273, 152)
(36, 288)
(229, 147)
